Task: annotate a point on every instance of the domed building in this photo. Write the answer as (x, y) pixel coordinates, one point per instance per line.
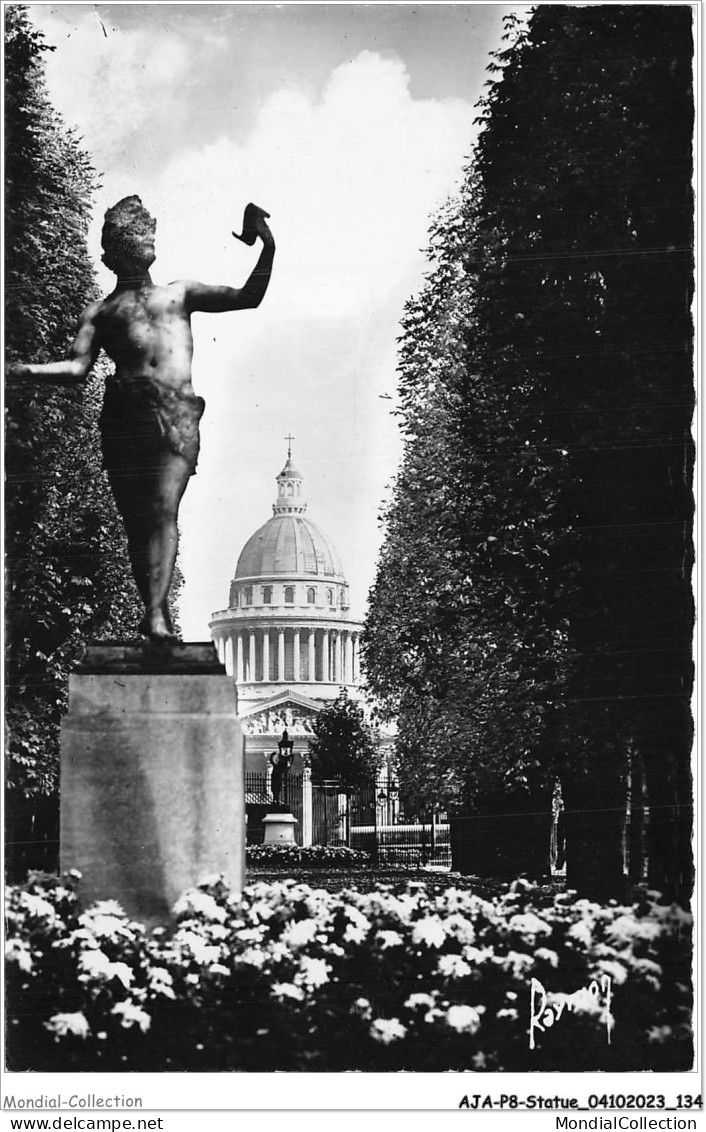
(287, 636)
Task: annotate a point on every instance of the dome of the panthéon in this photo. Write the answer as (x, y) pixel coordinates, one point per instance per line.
(289, 544)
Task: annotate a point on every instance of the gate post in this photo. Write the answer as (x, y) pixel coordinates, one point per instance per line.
(307, 807)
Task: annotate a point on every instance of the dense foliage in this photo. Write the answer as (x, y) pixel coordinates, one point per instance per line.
(68, 575)
(306, 856)
(294, 978)
(532, 612)
(343, 746)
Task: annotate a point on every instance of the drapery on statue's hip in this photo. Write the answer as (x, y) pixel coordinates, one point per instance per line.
(142, 417)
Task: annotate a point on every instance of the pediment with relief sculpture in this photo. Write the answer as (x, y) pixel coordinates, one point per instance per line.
(296, 719)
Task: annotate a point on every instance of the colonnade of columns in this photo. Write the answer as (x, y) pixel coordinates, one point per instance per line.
(296, 655)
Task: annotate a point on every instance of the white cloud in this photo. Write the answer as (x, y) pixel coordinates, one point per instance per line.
(112, 86)
(350, 181)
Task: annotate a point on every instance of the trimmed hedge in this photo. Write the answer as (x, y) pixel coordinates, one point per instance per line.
(294, 978)
(310, 856)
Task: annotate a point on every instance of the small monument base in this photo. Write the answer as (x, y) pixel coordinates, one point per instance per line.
(152, 783)
(279, 829)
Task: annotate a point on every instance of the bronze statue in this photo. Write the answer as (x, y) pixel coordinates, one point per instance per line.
(150, 418)
(281, 762)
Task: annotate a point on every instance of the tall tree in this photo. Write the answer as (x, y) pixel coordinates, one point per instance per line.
(343, 746)
(592, 200)
(552, 345)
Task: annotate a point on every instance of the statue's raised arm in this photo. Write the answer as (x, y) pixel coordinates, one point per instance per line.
(202, 297)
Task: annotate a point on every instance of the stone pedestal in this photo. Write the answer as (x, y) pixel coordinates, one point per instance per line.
(152, 784)
(279, 829)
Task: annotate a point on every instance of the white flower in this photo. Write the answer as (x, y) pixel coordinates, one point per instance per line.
(161, 982)
(106, 908)
(619, 974)
(287, 990)
(313, 972)
(202, 903)
(122, 972)
(626, 929)
(131, 1015)
(460, 927)
(358, 919)
(387, 1030)
(299, 933)
(477, 954)
(252, 957)
(250, 935)
(104, 924)
(37, 906)
(415, 1000)
(261, 910)
(580, 933)
(429, 931)
(203, 953)
(527, 924)
(403, 906)
(19, 952)
(63, 1024)
(96, 964)
(516, 962)
(318, 909)
(354, 934)
(217, 931)
(389, 939)
(218, 969)
(362, 1007)
(547, 955)
(464, 1019)
(453, 967)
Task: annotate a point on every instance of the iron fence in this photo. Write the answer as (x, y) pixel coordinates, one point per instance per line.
(365, 817)
(370, 818)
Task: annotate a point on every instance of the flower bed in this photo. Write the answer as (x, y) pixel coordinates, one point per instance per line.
(295, 978)
(309, 856)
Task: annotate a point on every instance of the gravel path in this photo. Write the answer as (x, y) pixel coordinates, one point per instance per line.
(336, 880)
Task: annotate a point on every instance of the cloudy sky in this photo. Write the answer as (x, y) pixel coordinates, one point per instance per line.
(351, 125)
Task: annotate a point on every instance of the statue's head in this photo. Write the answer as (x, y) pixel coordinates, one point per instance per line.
(128, 236)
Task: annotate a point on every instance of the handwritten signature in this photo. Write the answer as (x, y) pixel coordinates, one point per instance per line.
(546, 1008)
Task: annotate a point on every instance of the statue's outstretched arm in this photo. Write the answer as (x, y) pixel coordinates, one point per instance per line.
(82, 355)
(214, 299)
